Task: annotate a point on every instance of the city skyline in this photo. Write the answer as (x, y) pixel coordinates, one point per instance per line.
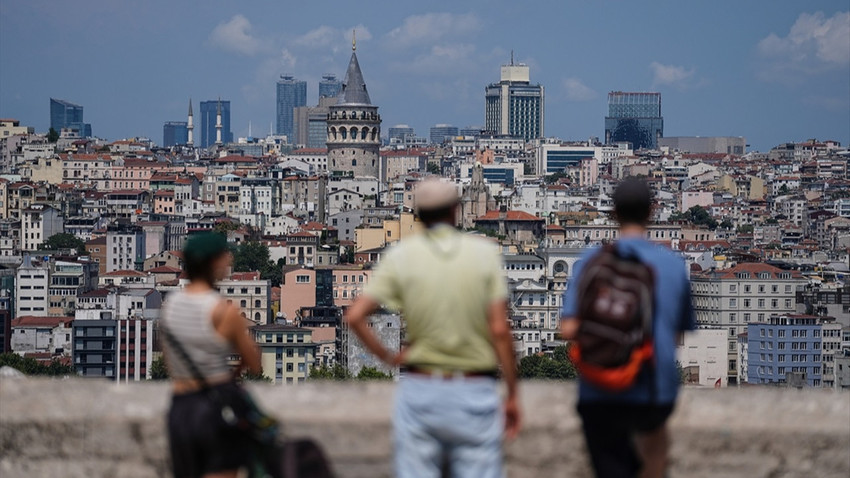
(772, 75)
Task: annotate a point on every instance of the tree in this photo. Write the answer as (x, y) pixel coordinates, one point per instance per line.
(681, 370)
(256, 377)
(336, 372)
(64, 240)
(783, 190)
(372, 373)
(746, 229)
(159, 371)
(555, 367)
(250, 256)
(434, 168)
(30, 366)
(726, 224)
(273, 272)
(555, 177)
(52, 135)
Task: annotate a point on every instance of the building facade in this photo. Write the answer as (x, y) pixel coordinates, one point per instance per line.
(291, 94)
(441, 132)
(634, 118)
(207, 124)
(513, 106)
(286, 353)
(329, 86)
(786, 349)
(67, 115)
(735, 298)
(174, 133)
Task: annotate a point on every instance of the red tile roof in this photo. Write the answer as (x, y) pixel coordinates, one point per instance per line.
(509, 216)
(40, 322)
(245, 276)
(125, 273)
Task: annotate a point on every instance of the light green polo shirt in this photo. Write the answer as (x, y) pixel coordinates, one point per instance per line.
(442, 281)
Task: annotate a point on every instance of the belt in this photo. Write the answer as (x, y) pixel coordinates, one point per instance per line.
(452, 374)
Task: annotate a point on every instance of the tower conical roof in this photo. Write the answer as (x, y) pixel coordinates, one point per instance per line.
(353, 87)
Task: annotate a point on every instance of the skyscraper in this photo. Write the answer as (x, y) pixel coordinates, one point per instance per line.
(440, 132)
(329, 87)
(513, 106)
(291, 93)
(400, 132)
(64, 114)
(207, 123)
(634, 117)
(354, 127)
(175, 133)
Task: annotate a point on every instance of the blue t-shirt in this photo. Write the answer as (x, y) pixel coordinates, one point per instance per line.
(674, 313)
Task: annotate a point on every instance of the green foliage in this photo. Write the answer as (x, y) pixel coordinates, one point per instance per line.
(225, 227)
(726, 224)
(159, 371)
(771, 220)
(64, 241)
(697, 216)
(555, 367)
(52, 135)
(372, 373)
(434, 168)
(254, 256)
(336, 372)
(30, 366)
(745, 229)
(783, 190)
(555, 177)
(256, 377)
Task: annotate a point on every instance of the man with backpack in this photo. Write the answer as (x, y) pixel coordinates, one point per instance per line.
(624, 310)
(451, 291)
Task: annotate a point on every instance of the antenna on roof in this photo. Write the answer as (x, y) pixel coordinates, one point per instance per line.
(512, 58)
(354, 39)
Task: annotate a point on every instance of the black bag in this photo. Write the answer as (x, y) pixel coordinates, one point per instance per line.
(615, 312)
(298, 458)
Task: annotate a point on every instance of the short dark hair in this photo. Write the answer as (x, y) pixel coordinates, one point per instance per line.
(434, 216)
(200, 252)
(633, 202)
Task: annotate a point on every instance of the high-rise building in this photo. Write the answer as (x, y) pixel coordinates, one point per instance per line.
(634, 118)
(67, 115)
(399, 133)
(329, 86)
(208, 121)
(311, 124)
(440, 132)
(291, 93)
(354, 127)
(513, 106)
(471, 131)
(174, 133)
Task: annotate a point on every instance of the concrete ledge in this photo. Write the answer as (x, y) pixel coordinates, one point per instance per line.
(79, 428)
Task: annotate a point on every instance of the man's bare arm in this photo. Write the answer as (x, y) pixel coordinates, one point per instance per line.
(497, 319)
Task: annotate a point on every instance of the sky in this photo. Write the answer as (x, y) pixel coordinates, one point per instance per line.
(771, 71)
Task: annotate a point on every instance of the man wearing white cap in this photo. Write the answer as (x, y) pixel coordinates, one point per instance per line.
(452, 293)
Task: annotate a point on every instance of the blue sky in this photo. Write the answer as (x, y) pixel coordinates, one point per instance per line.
(772, 71)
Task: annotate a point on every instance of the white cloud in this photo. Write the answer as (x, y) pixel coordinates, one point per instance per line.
(428, 28)
(578, 91)
(813, 43)
(671, 75)
(441, 60)
(334, 38)
(235, 35)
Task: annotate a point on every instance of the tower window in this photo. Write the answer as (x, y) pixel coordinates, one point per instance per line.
(354, 162)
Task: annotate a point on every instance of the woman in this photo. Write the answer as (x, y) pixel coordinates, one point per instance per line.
(209, 330)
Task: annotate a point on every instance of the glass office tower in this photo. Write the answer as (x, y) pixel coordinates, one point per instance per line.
(67, 115)
(291, 94)
(175, 133)
(207, 122)
(440, 132)
(330, 86)
(634, 118)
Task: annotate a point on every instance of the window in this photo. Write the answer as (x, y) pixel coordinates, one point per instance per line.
(781, 334)
(289, 367)
(761, 303)
(761, 289)
(747, 303)
(733, 302)
(302, 279)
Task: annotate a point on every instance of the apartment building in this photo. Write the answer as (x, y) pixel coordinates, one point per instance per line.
(733, 298)
(287, 353)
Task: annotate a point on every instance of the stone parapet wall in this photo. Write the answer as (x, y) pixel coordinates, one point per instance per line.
(93, 429)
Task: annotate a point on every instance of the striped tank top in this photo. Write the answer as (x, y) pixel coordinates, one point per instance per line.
(188, 317)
